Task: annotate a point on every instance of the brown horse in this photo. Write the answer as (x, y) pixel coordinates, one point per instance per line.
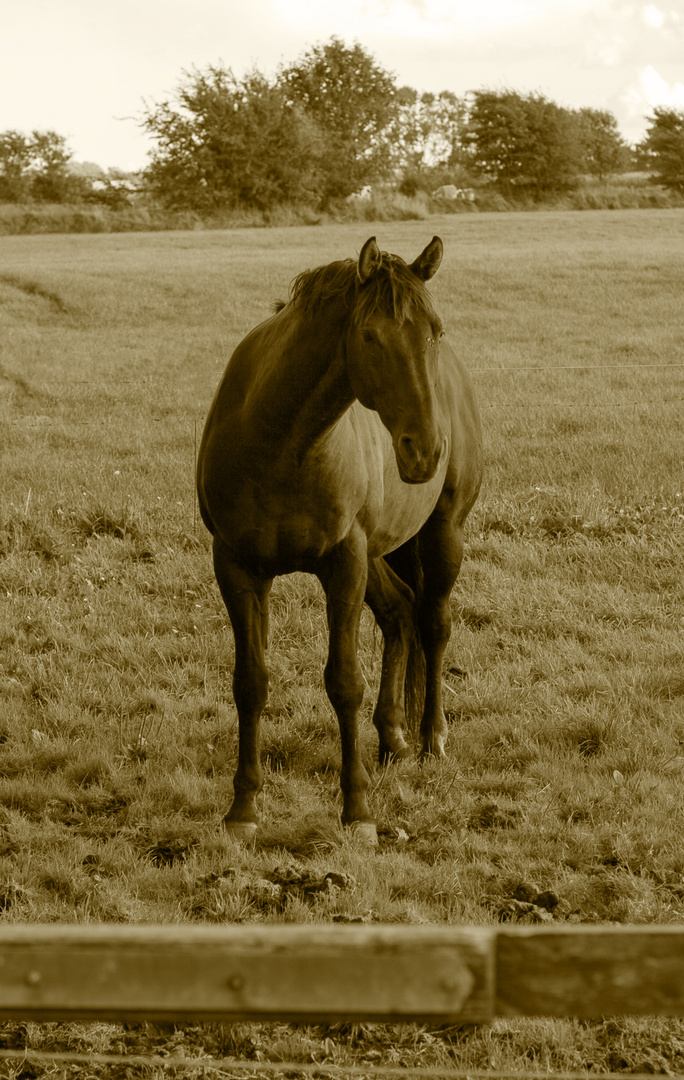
(344, 440)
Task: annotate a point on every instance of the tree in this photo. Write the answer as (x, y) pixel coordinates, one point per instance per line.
(497, 135)
(448, 114)
(36, 167)
(604, 151)
(15, 160)
(426, 132)
(230, 141)
(523, 142)
(554, 154)
(352, 101)
(663, 146)
(52, 181)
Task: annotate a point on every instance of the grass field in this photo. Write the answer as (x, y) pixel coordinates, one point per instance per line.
(565, 670)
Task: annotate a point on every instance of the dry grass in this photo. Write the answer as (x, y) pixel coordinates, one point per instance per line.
(565, 671)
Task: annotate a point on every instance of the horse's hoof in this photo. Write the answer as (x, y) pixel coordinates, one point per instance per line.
(426, 756)
(244, 831)
(392, 757)
(365, 832)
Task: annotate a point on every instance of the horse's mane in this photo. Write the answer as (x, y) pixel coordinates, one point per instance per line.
(393, 289)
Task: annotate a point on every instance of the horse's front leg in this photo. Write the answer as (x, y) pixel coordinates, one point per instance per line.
(343, 577)
(246, 599)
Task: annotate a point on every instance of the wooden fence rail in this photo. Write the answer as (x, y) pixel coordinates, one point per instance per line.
(438, 974)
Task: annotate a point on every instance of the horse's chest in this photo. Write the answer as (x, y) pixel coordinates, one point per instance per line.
(285, 526)
(280, 546)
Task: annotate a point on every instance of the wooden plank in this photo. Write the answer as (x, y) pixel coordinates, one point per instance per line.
(437, 974)
(433, 974)
(590, 971)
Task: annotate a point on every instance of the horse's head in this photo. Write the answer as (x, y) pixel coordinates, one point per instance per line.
(393, 354)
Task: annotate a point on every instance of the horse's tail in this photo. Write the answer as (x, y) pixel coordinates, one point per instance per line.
(406, 562)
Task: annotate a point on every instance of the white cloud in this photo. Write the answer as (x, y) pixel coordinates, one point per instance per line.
(657, 91)
(408, 18)
(653, 17)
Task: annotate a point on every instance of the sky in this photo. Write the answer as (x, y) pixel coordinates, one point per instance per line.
(86, 68)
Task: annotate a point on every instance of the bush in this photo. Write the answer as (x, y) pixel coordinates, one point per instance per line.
(616, 196)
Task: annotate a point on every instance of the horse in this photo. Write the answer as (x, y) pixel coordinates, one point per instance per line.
(344, 441)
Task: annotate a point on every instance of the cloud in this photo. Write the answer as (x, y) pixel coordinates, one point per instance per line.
(410, 19)
(653, 17)
(641, 96)
(658, 91)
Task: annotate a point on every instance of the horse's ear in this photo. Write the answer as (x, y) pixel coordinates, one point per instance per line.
(370, 260)
(427, 263)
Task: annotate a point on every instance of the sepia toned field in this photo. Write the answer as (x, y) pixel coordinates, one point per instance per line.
(564, 675)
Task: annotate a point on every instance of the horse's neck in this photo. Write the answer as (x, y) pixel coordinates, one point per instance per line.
(306, 389)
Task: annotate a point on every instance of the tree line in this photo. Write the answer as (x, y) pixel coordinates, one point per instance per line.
(335, 121)
(35, 168)
(38, 168)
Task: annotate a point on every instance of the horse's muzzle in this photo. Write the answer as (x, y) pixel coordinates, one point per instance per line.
(415, 464)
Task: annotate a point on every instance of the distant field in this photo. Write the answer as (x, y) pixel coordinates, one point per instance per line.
(117, 726)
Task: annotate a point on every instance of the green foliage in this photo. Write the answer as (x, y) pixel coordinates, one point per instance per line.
(527, 143)
(15, 159)
(553, 155)
(604, 151)
(524, 142)
(230, 141)
(261, 149)
(307, 136)
(35, 168)
(298, 143)
(352, 101)
(311, 134)
(497, 134)
(663, 146)
(334, 121)
(427, 133)
(52, 181)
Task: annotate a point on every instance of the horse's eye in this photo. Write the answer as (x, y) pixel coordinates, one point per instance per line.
(367, 337)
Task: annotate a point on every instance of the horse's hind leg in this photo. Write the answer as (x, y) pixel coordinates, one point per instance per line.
(441, 551)
(391, 602)
(246, 599)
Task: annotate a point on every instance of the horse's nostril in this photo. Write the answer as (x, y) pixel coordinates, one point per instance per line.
(409, 453)
(407, 448)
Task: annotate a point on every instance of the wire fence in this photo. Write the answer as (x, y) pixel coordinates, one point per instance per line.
(543, 406)
(513, 370)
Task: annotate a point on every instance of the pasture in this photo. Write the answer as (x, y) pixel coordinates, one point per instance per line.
(561, 795)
